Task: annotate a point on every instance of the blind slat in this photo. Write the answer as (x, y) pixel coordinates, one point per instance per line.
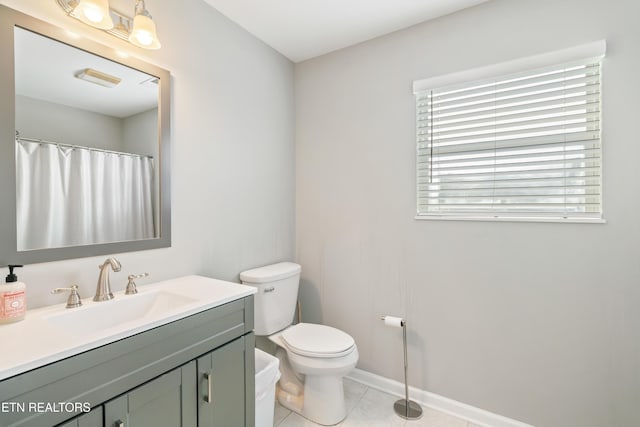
(507, 134)
(512, 176)
(513, 184)
(528, 142)
(512, 117)
(523, 122)
(551, 146)
(535, 166)
(589, 83)
(462, 114)
(515, 103)
(509, 192)
(443, 162)
(500, 85)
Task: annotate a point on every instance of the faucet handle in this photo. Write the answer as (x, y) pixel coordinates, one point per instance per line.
(131, 285)
(74, 297)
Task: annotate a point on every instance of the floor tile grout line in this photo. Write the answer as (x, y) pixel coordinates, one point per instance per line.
(357, 402)
(285, 417)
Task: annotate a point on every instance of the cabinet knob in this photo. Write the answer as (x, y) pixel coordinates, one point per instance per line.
(120, 423)
(209, 377)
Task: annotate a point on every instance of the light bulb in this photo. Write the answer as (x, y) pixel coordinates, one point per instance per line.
(144, 37)
(93, 13)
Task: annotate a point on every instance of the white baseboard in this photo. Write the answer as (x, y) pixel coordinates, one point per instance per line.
(440, 403)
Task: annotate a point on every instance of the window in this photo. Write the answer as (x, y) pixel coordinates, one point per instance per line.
(525, 145)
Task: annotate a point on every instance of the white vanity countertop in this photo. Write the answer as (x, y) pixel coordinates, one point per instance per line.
(52, 333)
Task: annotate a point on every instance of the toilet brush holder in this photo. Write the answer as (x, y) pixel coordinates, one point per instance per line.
(404, 408)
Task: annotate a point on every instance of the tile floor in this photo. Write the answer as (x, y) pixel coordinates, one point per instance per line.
(368, 407)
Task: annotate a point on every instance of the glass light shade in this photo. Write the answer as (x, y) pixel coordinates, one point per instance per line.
(143, 34)
(94, 13)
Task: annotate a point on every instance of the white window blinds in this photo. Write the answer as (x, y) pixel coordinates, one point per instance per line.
(522, 145)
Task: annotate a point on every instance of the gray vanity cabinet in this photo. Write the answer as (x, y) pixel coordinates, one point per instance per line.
(167, 401)
(194, 372)
(221, 388)
(91, 419)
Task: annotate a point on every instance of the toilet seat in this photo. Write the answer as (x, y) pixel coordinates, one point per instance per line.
(312, 340)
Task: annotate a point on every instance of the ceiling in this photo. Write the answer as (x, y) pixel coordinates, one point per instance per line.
(303, 29)
(46, 69)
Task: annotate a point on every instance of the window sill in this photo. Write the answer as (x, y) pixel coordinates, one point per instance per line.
(512, 219)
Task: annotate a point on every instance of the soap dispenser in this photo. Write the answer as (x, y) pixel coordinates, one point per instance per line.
(13, 303)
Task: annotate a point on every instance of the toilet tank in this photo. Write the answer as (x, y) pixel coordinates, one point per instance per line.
(275, 301)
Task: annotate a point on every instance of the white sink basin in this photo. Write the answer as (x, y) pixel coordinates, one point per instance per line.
(97, 317)
(52, 333)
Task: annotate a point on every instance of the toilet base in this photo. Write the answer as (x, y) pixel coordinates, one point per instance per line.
(324, 400)
(292, 402)
(321, 402)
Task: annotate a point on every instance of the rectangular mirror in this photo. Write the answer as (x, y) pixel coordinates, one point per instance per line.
(89, 149)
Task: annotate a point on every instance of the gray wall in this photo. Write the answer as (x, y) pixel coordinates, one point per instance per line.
(40, 119)
(140, 136)
(140, 133)
(534, 321)
(232, 151)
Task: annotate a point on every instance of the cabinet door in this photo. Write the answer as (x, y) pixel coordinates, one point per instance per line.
(90, 419)
(221, 386)
(167, 401)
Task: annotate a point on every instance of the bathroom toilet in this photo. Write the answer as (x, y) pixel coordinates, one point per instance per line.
(313, 358)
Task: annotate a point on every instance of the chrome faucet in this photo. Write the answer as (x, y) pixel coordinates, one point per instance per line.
(103, 291)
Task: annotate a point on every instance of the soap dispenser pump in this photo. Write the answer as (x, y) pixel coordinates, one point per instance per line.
(13, 303)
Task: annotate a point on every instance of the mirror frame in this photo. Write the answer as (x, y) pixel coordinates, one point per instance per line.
(9, 19)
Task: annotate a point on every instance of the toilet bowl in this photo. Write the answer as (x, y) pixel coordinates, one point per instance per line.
(313, 358)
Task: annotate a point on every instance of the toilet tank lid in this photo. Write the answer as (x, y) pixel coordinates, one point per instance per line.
(270, 273)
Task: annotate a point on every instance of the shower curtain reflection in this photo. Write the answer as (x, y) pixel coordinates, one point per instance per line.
(71, 196)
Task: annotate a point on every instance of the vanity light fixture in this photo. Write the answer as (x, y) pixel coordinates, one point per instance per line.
(139, 30)
(98, 77)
